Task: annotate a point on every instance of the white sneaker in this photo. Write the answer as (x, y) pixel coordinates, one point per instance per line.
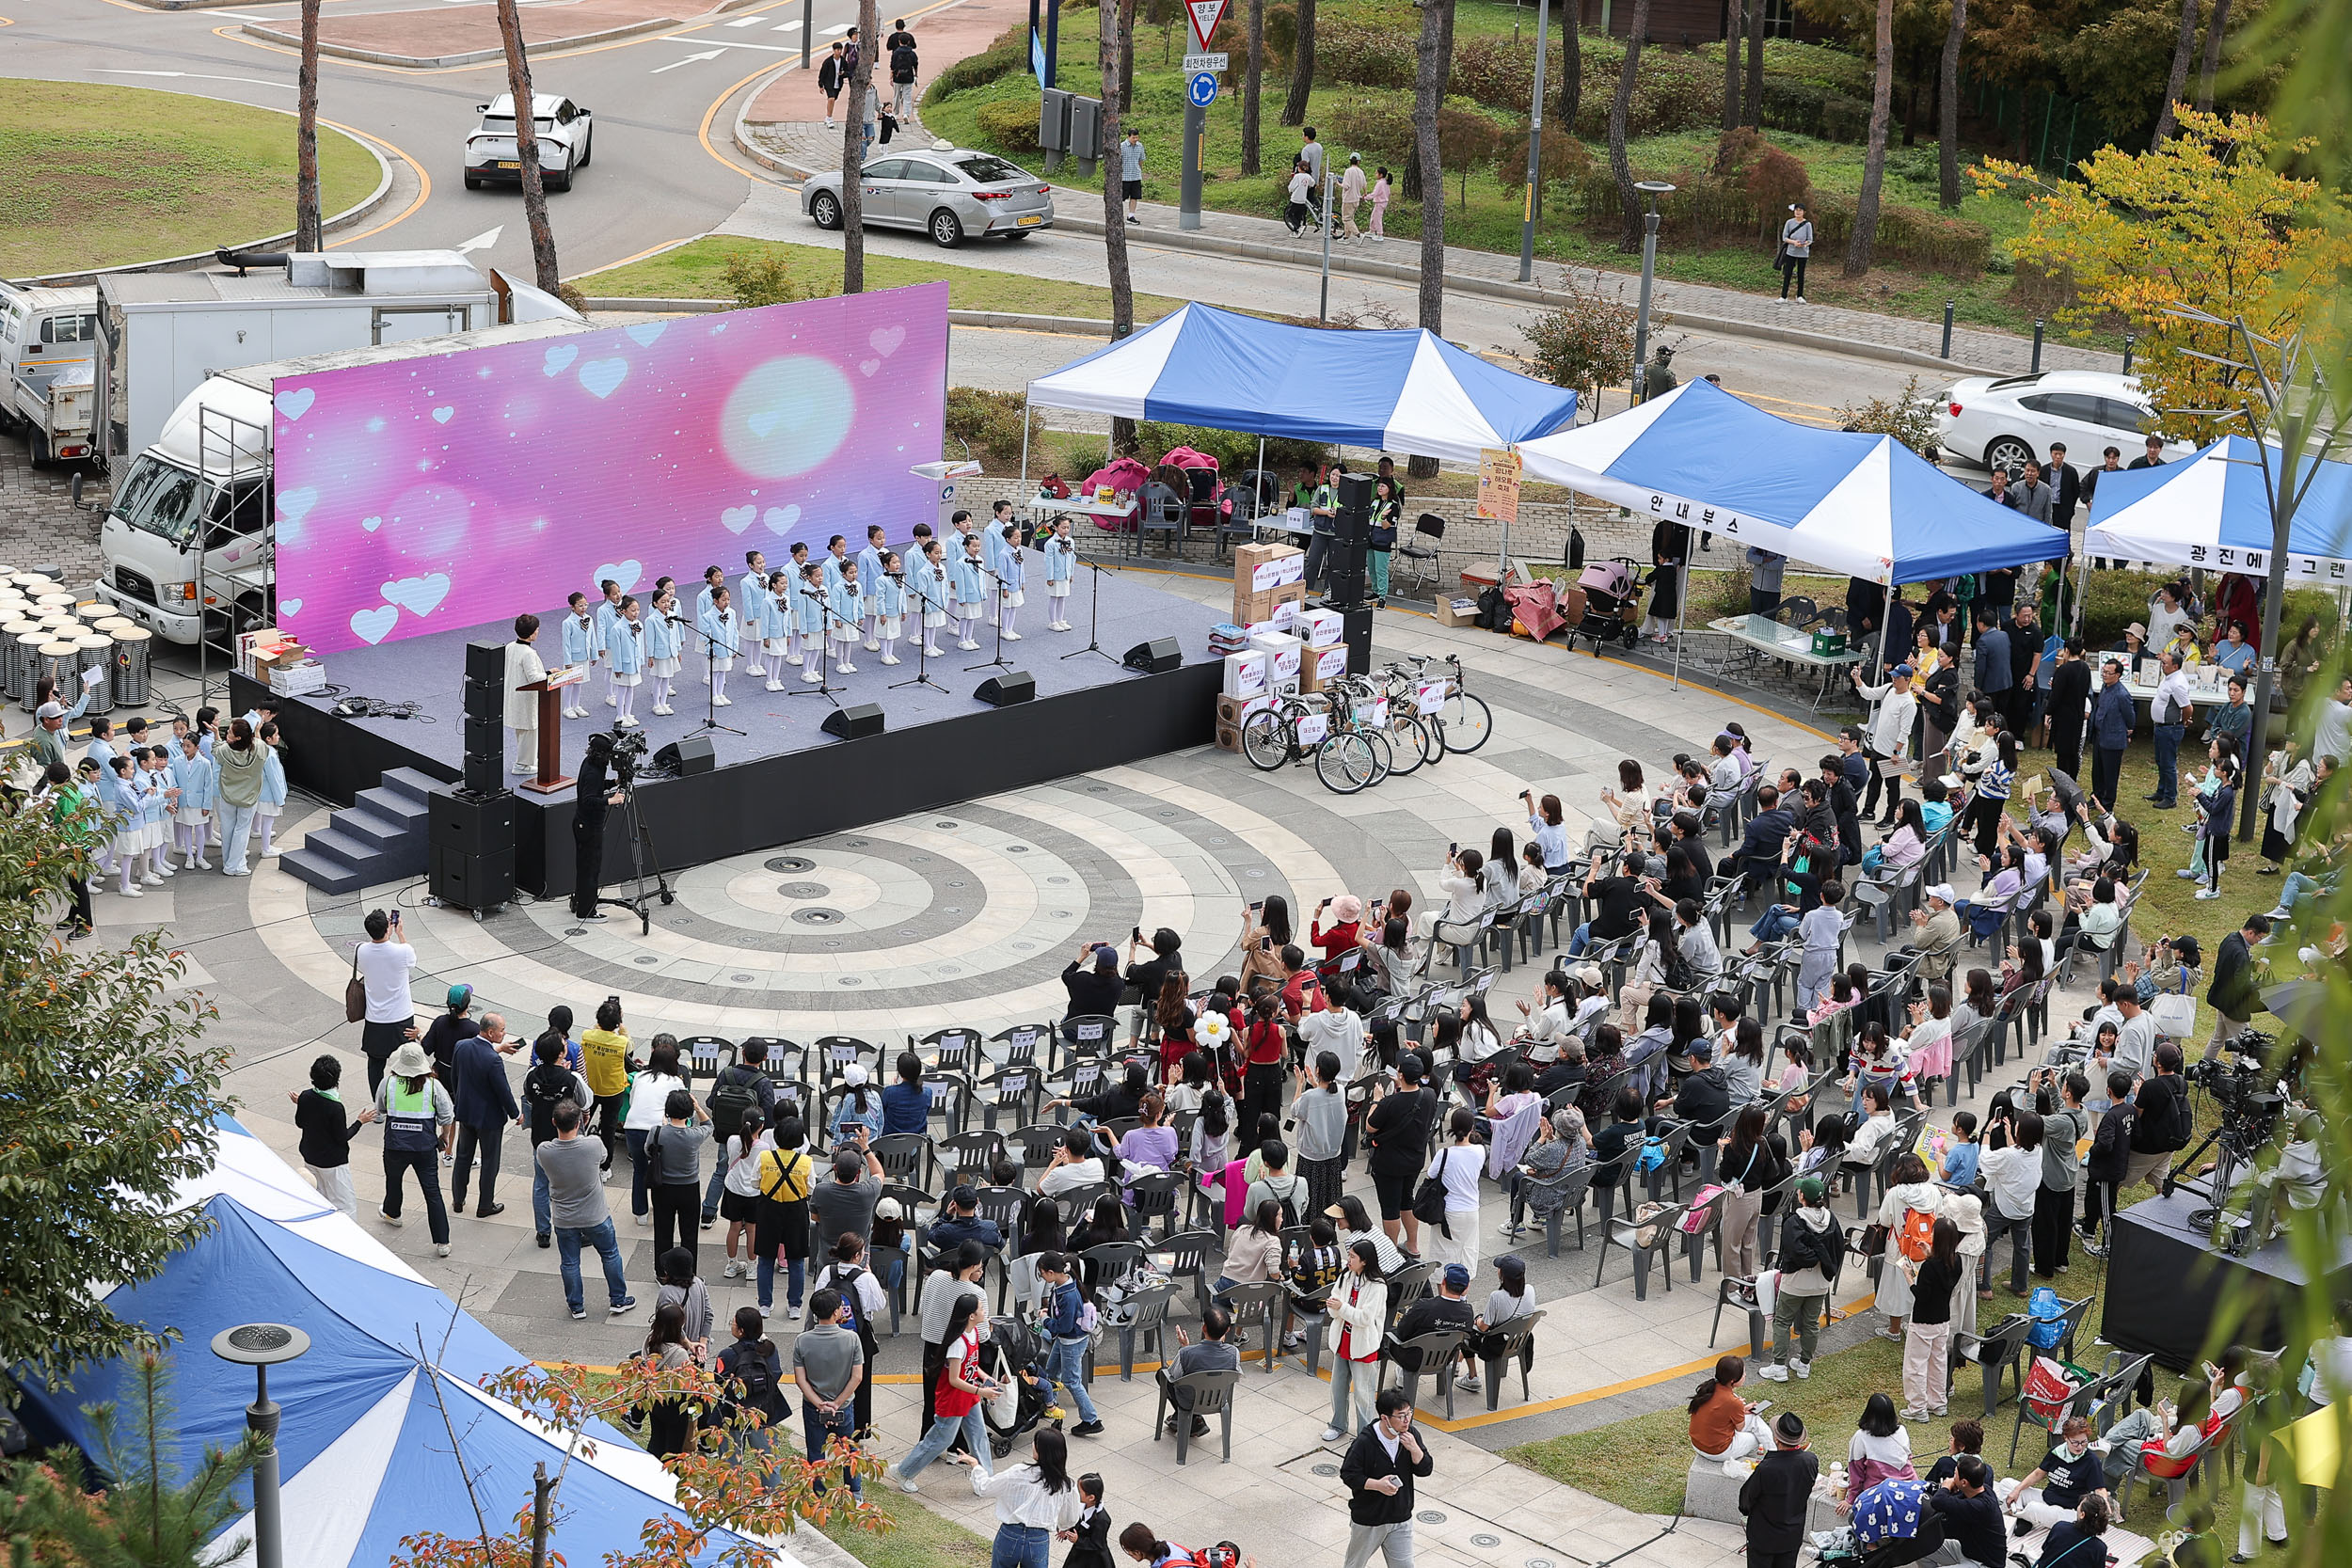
(967, 644)
(722, 702)
(792, 658)
(272, 853)
(134, 891)
(905, 1485)
(872, 645)
(1772, 1373)
(151, 880)
(812, 675)
(934, 653)
(1801, 299)
(441, 1251)
(1333, 1434)
(2208, 893)
(662, 708)
(890, 658)
(166, 869)
(844, 669)
(1012, 637)
(612, 701)
(392, 1220)
(775, 685)
(1803, 1369)
(627, 722)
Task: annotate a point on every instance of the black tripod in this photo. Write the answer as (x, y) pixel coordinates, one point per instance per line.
(922, 676)
(641, 854)
(1094, 617)
(824, 656)
(710, 693)
(997, 588)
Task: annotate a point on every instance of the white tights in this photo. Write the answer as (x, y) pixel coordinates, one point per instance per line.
(628, 702)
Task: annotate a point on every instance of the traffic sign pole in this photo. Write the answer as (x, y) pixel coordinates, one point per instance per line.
(1196, 131)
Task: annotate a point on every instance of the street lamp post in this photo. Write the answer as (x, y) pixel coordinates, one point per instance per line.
(1652, 189)
(261, 1346)
(1534, 146)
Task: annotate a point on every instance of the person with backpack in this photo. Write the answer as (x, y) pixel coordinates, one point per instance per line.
(863, 1302)
(741, 1085)
(786, 1176)
(751, 1372)
(904, 64)
(1928, 1338)
(1812, 1245)
(1287, 1190)
(844, 1205)
(2063, 1127)
(829, 1366)
(1069, 1321)
(548, 1083)
(1907, 1215)
(2163, 1122)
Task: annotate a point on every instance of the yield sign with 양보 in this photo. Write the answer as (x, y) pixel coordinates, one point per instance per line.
(1205, 14)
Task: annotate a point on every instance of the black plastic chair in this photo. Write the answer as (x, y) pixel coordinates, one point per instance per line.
(1504, 1346)
(1434, 1353)
(1201, 1394)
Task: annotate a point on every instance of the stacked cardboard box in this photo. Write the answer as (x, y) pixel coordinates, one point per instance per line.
(1266, 577)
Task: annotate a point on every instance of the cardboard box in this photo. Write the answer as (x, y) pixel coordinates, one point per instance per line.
(1261, 568)
(1456, 611)
(1282, 654)
(1235, 710)
(1288, 687)
(1227, 737)
(1246, 673)
(1275, 604)
(1320, 628)
(1329, 663)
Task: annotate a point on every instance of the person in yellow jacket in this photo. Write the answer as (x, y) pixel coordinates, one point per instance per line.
(786, 1176)
(604, 1060)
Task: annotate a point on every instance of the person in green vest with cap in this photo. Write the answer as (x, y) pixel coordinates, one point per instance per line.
(417, 1115)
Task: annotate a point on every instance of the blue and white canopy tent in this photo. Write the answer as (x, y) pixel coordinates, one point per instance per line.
(2211, 509)
(393, 1367)
(1409, 391)
(1861, 504)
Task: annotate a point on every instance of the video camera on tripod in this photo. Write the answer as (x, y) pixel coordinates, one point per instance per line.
(2242, 1088)
(628, 750)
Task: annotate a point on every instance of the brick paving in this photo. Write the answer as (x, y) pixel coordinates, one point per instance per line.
(954, 32)
(37, 525)
(436, 34)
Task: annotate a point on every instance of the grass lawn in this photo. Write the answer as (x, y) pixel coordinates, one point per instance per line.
(108, 175)
(692, 271)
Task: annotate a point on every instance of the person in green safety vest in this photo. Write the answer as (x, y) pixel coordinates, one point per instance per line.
(417, 1115)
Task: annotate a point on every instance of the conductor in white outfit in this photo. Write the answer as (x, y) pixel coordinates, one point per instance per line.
(523, 667)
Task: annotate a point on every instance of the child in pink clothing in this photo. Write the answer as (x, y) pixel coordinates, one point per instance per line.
(1379, 201)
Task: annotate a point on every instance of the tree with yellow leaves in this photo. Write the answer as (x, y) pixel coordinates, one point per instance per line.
(2206, 221)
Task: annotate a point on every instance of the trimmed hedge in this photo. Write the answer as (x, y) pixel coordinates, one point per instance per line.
(1011, 124)
(1709, 212)
(1006, 54)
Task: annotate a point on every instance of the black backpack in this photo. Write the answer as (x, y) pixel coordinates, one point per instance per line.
(853, 1316)
(752, 1372)
(731, 1096)
(1494, 610)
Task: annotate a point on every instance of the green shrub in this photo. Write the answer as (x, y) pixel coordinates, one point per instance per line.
(1010, 124)
(1706, 212)
(757, 277)
(1813, 109)
(1378, 128)
(1674, 92)
(1008, 52)
(1357, 52)
(1918, 165)
(1281, 38)
(991, 422)
(1499, 73)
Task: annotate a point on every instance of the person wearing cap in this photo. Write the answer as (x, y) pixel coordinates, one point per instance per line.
(860, 1105)
(46, 743)
(1887, 741)
(844, 1204)
(485, 1104)
(1935, 932)
(443, 1033)
(1704, 1097)
(1812, 1245)
(415, 1113)
(1445, 1311)
(1778, 1494)
(961, 1223)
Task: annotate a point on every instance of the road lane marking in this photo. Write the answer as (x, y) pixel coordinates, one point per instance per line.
(706, 55)
(196, 76)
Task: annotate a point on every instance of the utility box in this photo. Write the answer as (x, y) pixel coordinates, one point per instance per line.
(1052, 121)
(1086, 129)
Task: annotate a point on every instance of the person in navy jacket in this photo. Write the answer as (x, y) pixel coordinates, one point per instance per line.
(484, 1103)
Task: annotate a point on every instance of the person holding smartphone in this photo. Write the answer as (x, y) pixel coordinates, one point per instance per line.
(383, 964)
(1265, 930)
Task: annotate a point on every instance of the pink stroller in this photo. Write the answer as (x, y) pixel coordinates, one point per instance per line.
(1612, 592)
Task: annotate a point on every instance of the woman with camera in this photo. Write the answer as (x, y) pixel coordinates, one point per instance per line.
(592, 800)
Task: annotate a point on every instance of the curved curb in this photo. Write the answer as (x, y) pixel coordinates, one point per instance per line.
(1082, 327)
(352, 215)
(747, 145)
(472, 57)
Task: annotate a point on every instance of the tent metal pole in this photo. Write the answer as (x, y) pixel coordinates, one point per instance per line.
(1682, 603)
(1024, 480)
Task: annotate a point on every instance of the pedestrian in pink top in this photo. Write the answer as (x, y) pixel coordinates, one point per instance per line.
(1379, 201)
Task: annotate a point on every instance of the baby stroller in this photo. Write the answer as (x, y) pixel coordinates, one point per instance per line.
(1612, 603)
(1013, 1355)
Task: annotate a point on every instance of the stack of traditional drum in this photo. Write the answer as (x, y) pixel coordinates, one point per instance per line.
(46, 630)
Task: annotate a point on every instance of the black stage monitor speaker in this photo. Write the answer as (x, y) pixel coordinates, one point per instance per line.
(472, 881)
(486, 662)
(1157, 656)
(486, 703)
(1013, 685)
(685, 758)
(470, 825)
(855, 721)
(486, 735)
(484, 772)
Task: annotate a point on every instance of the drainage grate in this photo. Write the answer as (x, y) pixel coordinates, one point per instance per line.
(1326, 1470)
(819, 917)
(1430, 1516)
(1486, 1541)
(790, 863)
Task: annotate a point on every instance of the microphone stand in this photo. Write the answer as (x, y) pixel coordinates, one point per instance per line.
(998, 591)
(1094, 617)
(922, 676)
(710, 705)
(824, 658)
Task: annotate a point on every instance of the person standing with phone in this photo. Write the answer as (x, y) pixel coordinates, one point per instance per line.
(382, 966)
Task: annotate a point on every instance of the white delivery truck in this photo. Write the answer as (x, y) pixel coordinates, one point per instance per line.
(208, 476)
(47, 369)
(161, 333)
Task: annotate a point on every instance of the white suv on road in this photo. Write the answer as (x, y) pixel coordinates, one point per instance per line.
(2000, 423)
(567, 135)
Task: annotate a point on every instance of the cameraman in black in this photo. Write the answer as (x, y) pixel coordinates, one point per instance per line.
(2161, 1121)
(592, 800)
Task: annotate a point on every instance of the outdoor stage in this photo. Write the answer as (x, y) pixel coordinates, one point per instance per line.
(2166, 1283)
(785, 779)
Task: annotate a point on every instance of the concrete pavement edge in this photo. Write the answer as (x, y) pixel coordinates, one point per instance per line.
(1076, 326)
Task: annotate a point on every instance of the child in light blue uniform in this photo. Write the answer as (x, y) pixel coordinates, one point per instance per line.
(713, 579)
(155, 792)
(117, 792)
(751, 591)
(628, 651)
(1011, 573)
(192, 775)
(836, 551)
(601, 637)
(273, 800)
(869, 576)
(579, 647)
(661, 647)
(776, 624)
(992, 557)
(841, 631)
(890, 605)
(809, 596)
(970, 586)
(926, 594)
(1062, 565)
(722, 631)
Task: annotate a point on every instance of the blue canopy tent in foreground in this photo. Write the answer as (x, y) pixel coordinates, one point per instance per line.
(1409, 391)
(2212, 508)
(393, 1367)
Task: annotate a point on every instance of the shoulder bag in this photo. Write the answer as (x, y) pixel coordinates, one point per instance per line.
(1429, 1197)
(354, 994)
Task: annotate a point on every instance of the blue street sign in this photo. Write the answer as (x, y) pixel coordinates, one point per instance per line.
(1201, 91)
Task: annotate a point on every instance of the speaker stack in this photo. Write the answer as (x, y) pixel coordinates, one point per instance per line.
(1351, 538)
(470, 830)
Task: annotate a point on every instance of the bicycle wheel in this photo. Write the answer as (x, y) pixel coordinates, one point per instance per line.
(1408, 740)
(1383, 754)
(1433, 737)
(1344, 763)
(1266, 740)
(1468, 722)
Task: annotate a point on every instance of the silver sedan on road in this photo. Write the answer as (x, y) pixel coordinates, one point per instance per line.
(948, 192)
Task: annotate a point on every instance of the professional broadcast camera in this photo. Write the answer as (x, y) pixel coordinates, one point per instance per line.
(2246, 1093)
(629, 750)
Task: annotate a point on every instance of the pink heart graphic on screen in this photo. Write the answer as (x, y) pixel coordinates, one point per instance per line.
(867, 367)
(738, 518)
(373, 626)
(885, 341)
(419, 595)
(601, 377)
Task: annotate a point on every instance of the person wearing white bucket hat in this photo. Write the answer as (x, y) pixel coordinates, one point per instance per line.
(417, 1114)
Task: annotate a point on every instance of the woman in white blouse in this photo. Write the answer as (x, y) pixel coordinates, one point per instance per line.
(1033, 1500)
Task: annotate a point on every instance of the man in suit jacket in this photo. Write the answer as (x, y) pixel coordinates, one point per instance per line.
(485, 1104)
(1777, 1493)
(523, 666)
(2066, 487)
(1379, 1469)
(1993, 675)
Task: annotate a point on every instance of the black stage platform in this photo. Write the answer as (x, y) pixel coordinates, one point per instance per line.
(2166, 1283)
(785, 779)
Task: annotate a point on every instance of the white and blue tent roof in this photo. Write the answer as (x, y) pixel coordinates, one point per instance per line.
(363, 1439)
(1409, 391)
(2212, 508)
(1865, 505)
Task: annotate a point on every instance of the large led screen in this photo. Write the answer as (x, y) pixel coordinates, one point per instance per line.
(448, 490)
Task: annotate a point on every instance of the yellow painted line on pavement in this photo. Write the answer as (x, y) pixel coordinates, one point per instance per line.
(548, 51)
(764, 176)
(424, 184)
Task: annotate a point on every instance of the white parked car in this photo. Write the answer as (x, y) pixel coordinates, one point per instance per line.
(567, 135)
(2000, 423)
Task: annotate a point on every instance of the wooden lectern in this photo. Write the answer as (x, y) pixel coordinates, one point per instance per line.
(550, 777)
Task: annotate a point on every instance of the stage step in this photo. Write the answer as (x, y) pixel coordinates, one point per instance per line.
(379, 838)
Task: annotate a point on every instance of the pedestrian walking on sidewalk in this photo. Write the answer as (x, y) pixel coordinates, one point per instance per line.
(1796, 243)
(830, 75)
(1352, 194)
(1379, 201)
(1298, 215)
(904, 63)
(1131, 172)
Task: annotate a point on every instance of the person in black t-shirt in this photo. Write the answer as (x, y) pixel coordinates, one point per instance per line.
(1432, 1314)
(1397, 1128)
(2067, 1473)
(1971, 1515)
(1093, 982)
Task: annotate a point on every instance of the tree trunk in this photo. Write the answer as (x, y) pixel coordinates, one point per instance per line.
(308, 232)
(544, 269)
(1126, 9)
(1254, 76)
(853, 154)
(1115, 42)
(1754, 105)
(1866, 207)
(1731, 66)
(1445, 55)
(1428, 84)
(1302, 67)
(2183, 45)
(1571, 99)
(1948, 112)
(2213, 54)
(1620, 107)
